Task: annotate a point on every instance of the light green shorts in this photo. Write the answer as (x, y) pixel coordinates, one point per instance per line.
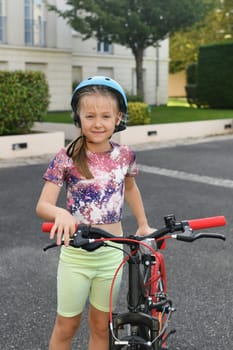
(83, 274)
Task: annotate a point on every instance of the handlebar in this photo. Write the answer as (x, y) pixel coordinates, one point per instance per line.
(204, 223)
(86, 234)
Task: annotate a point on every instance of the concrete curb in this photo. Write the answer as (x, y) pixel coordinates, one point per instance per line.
(45, 159)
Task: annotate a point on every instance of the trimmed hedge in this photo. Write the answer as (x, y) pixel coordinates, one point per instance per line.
(191, 74)
(191, 87)
(139, 113)
(133, 98)
(215, 75)
(24, 99)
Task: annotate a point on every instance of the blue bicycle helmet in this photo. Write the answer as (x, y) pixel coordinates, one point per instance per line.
(109, 83)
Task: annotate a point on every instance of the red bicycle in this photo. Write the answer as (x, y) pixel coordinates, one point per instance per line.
(145, 325)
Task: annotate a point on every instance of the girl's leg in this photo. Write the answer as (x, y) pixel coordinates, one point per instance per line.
(98, 326)
(63, 332)
(99, 297)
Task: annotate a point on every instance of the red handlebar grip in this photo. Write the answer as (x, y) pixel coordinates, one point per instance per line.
(205, 223)
(47, 226)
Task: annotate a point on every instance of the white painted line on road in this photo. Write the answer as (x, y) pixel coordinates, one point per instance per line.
(182, 175)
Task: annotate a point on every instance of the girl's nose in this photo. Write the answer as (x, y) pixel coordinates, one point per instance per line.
(98, 122)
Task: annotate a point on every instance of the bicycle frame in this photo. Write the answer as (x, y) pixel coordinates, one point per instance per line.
(149, 309)
(134, 318)
(148, 306)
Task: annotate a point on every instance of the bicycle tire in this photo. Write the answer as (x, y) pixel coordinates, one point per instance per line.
(144, 323)
(142, 329)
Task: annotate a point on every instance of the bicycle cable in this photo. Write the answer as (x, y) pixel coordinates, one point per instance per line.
(126, 258)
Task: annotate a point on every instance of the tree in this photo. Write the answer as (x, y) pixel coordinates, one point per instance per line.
(135, 24)
(217, 26)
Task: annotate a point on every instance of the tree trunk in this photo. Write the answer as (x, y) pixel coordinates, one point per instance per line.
(138, 54)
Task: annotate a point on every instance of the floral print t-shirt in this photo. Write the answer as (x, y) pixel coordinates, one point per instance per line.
(98, 200)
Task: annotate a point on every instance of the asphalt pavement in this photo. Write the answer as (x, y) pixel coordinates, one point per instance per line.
(190, 179)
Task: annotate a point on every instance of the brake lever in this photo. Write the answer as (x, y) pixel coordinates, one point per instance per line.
(187, 236)
(79, 241)
(52, 245)
(190, 236)
(210, 235)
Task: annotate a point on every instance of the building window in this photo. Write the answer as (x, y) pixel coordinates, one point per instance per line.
(34, 23)
(104, 47)
(106, 71)
(3, 65)
(2, 22)
(77, 76)
(33, 66)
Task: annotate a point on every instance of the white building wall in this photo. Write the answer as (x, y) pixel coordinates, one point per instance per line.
(56, 65)
(15, 20)
(67, 58)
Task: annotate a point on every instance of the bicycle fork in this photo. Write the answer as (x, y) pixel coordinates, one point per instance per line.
(141, 329)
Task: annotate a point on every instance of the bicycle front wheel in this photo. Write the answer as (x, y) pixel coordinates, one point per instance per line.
(134, 331)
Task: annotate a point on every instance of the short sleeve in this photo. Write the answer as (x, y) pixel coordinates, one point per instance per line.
(132, 169)
(58, 168)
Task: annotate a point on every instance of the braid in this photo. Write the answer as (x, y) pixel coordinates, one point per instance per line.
(77, 151)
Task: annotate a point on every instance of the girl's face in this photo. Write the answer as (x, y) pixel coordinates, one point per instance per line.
(99, 114)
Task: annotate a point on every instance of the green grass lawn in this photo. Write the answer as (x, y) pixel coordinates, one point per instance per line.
(177, 110)
(176, 114)
(58, 117)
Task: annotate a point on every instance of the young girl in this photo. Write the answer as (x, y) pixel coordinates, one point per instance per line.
(98, 175)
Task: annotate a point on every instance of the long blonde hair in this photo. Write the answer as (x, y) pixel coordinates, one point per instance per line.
(77, 150)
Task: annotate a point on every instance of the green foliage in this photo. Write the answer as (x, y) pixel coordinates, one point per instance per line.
(191, 73)
(75, 84)
(134, 98)
(215, 27)
(24, 98)
(191, 87)
(192, 94)
(135, 24)
(139, 113)
(131, 23)
(215, 75)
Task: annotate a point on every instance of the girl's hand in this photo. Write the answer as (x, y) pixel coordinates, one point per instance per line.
(144, 230)
(64, 227)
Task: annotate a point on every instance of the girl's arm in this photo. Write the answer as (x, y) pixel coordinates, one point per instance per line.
(64, 222)
(134, 199)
